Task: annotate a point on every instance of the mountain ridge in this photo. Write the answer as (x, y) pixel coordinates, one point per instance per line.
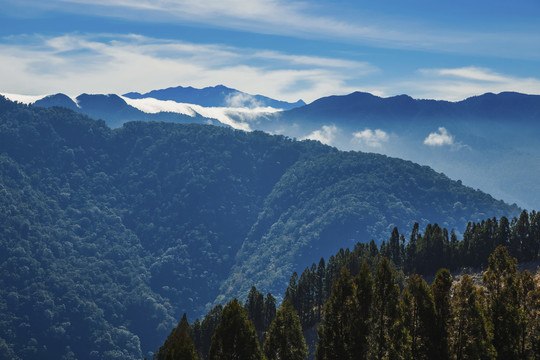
(214, 96)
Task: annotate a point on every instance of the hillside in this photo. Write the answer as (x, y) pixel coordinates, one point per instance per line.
(481, 140)
(108, 236)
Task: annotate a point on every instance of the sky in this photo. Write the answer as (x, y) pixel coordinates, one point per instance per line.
(287, 50)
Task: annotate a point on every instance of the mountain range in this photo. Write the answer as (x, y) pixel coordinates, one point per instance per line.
(109, 235)
(488, 141)
(217, 105)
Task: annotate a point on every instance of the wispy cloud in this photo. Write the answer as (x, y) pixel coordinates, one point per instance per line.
(240, 99)
(468, 73)
(326, 135)
(371, 138)
(439, 138)
(120, 63)
(302, 19)
(459, 83)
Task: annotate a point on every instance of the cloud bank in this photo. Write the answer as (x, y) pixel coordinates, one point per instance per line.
(236, 117)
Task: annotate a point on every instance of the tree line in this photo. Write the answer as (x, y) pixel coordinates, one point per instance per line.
(371, 310)
(422, 254)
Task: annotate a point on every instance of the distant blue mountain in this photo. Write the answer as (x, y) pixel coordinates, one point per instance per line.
(216, 96)
(59, 100)
(492, 139)
(365, 107)
(113, 109)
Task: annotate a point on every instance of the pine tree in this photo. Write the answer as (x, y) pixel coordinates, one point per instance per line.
(196, 335)
(503, 233)
(208, 326)
(395, 251)
(441, 296)
(529, 309)
(269, 310)
(387, 336)
(320, 294)
(469, 337)
(255, 308)
(419, 315)
(335, 330)
(178, 345)
(535, 233)
(364, 297)
(235, 336)
(502, 282)
(524, 242)
(285, 340)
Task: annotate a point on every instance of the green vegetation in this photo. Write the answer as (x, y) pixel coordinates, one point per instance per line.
(285, 339)
(368, 316)
(235, 336)
(108, 236)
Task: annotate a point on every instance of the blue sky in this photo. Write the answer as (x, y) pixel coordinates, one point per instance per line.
(288, 50)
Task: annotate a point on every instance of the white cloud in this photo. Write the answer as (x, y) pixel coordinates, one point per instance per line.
(107, 63)
(236, 117)
(24, 99)
(469, 73)
(440, 138)
(239, 100)
(326, 135)
(371, 138)
(303, 19)
(456, 84)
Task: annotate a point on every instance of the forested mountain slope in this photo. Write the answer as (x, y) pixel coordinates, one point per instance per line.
(107, 236)
(480, 140)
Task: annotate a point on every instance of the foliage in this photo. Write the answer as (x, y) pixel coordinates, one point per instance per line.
(235, 337)
(285, 340)
(178, 345)
(470, 337)
(419, 315)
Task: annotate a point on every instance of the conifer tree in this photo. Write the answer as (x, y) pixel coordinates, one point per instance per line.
(269, 310)
(395, 250)
(235, 337)
(535, 233)
(208, 326)
(502, 283)
(320, 294)
(285, 340)
(469, 338)
(364, 297)
(529, 317)
(335, 331)
(255, 308)
(196, 336)
(387, 335)
(419, 315)
(178, 345)
(441, 296)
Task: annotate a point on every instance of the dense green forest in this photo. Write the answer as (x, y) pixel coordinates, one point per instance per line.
(108, 236)
(365, 306)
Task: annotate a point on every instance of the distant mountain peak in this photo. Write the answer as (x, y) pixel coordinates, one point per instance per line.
(215, 96)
